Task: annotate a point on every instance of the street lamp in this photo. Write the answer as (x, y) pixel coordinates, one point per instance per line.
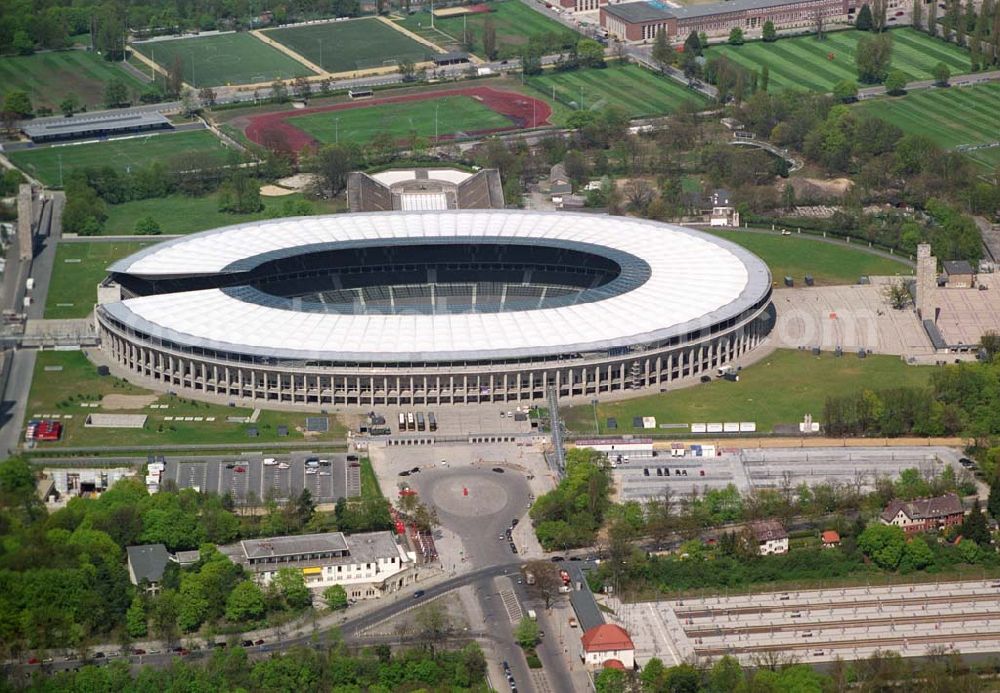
(436, 121)
(336, 123)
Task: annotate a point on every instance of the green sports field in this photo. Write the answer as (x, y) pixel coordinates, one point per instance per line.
(76, 272)
(636, 89)
(805, 63)
(455, 114)
(353, 45)
(514, 22)
(780, 389)
(828, 263)
(133, 152)
(48, 78)
(951, 117)
(212, 61)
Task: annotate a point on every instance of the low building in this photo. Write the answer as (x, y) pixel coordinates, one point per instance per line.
(582, 5)
(620, 450)
(146, 563)
(924, 514)
(831, 539)
(605, 643)
(104, 124)
(367, 565)
(770, 537)
(959, 274)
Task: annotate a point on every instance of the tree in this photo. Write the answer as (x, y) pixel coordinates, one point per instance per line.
(610, 681)
(883, 544)
(147, 226)
(873, 56)
(769, 33)
(736, 36)
(22, 43)
(765, 77)
(974, 526)
(279, 91)
(895, 83)
(917, 13)
(335, 597)
(693, 45)
(69, 105)
(547, 580)
(897, 294)
(663, 54)
(590, 53)
(489, 39)
(433, 623)
(17, 102)
(917, 555)
(941, 75)
(932, 19)
(175, 75)
(301, 88)
(526, 633)
(292, 587)
(845, 91)
(240, 194)
(879, 14)
(115, 93)
(407, 69)
(864, 21)
(818, 20)
(245, 602)
(207, 95)
(989, 343)
(164, 615)
(788, 197)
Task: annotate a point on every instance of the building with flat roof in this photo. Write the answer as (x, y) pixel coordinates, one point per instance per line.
(367, 565)
(84, 126)
(638, 22)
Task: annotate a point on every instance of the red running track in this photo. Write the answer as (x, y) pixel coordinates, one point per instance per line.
(524, 112)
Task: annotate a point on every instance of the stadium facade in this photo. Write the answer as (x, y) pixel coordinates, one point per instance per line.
(446, 307)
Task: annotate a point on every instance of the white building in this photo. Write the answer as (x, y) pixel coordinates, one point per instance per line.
(770, 536)
(367, 565)
(620, 449)
(605, 644)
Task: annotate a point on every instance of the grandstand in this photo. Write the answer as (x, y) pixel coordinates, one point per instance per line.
(424, 190)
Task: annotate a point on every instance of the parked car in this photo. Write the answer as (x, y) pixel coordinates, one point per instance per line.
(418, 594)
(498, 470)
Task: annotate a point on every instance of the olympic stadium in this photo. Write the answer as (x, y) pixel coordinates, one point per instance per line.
(438, 307)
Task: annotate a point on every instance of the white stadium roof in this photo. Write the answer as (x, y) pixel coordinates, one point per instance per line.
(695, 281)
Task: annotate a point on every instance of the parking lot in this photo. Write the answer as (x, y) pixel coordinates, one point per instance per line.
(642, 479)
(328, 477)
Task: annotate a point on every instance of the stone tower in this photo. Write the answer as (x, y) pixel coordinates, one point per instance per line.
(926, 282)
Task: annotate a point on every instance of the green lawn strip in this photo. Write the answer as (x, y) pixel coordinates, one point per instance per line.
(780, 389)
(814, 55)
(369, 481)
(785, 71)
(48, 78)
(828, 263)
(929, 53)
(122, 154)
(181, 214)
(350, 45)
(657, 94)
(921, 119)
(603, 92)
(224, 59)
(61, 392)
(949, 116)
(454, 114)
(73, 287)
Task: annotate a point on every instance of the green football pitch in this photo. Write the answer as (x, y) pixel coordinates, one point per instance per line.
(352, 45)
(955, 117)
(52, 164)
(805, 63)
(515, 24)
(637, 90)
(50, 77)
(454, 114)
(221, 59)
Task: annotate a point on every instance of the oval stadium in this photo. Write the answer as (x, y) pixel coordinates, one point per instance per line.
(442, 307)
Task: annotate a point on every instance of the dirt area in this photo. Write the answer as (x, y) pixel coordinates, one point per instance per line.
(118, 402)
(832, 186)
(275, 191)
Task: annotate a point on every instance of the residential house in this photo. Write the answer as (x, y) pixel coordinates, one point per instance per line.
(924, 514)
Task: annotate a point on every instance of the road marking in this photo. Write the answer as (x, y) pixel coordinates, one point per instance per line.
(512, 606)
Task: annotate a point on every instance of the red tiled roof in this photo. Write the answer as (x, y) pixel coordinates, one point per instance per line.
(614, 664)
(607, 637)
(924, 508)
(831, 537)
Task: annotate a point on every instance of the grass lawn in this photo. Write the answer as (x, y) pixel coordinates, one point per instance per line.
(781, 389)
(369, 482)
(455, 114)
(352, 45)
(515, 24)
(951, 117)
(828, 263)
(48, 78)
(61, 392)
(213, 61)
(804, 63)
(78, 269)
(122, 154)
(182, 214)
(634, 88)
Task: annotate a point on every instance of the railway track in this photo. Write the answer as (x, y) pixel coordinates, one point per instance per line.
(894, 601)
(854, 643)
(847, 623)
